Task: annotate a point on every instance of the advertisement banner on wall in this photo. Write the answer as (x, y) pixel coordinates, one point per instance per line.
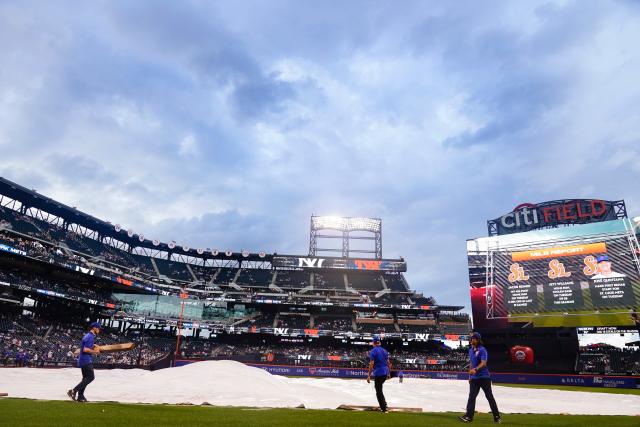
(529, 216)
(602, 381)
(12, 250)
(339, 263)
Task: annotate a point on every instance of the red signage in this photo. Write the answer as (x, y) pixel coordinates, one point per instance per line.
(522, 355)
(529, 216)
(124, 281)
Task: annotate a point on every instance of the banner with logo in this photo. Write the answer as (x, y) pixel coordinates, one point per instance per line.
(12, 250)
(339, 263)
(529, 216)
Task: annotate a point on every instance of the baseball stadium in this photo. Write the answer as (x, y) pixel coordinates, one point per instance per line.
(222, 332)
(319, 213)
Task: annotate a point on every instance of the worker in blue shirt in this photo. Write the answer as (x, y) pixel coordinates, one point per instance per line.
(479, 378)
(380, 366)
(85, 362)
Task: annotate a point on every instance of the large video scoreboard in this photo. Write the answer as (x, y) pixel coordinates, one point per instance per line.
(581, 275)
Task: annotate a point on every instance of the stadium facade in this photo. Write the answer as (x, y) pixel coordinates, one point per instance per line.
(62, 267)
(311, 314)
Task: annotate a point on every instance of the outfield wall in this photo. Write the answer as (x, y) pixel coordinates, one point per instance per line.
(607, 381)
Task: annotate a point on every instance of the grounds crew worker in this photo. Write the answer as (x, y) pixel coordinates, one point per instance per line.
(85, 362)
(380, 365)
(479, 378)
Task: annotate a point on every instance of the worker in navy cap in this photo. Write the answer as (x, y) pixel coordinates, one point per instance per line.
(380, 367)
(479, 378)
(88, 349)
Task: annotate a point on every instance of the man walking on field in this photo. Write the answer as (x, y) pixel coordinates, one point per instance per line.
(380, 366)
(85, 362)
(479, 378)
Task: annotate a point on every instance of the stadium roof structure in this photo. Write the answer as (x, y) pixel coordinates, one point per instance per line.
(31, 199)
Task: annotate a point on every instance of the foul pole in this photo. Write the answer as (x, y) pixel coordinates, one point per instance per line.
(183, 296)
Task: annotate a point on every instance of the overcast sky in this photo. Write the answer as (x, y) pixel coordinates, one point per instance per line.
(227, 124)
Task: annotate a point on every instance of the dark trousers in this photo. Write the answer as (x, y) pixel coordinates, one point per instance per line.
(474, 388)
(87, 377)
(378, 381)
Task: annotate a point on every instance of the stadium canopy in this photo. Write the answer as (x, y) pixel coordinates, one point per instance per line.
(29, 199)
(32, 199)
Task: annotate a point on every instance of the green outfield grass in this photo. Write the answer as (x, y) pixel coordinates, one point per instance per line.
(578, 318)
(575, 388)
(23, 412)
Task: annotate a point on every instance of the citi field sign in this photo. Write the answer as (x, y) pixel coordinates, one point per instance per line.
(529, 216)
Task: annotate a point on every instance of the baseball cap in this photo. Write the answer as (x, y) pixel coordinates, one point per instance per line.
(602, 258)
(96, 325)
(476, 335)
(376, 338)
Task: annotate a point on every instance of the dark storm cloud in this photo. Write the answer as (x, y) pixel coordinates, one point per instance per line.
(199, 40)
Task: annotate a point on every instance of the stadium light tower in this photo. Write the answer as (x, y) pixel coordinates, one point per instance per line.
(346, 226)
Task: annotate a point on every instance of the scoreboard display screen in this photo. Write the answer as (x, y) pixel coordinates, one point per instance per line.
(585, 275)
